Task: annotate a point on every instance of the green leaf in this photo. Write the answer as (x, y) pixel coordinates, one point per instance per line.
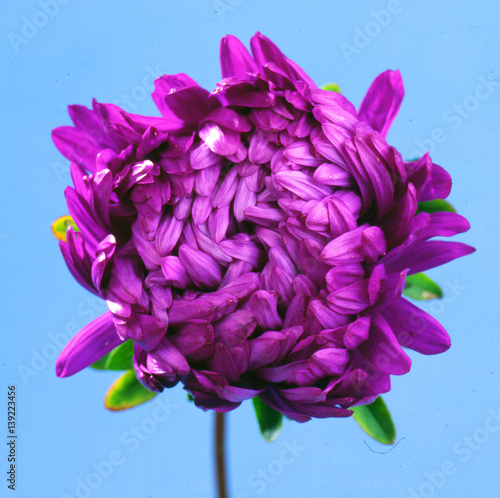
(269, 420)
(190, 398)
(100, 364)
(376, 421)
(421, 288)
(331, 87)
(126, 393)
(60, 226)
(121, 357)
(435, 206)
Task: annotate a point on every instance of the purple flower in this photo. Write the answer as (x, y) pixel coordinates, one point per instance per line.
(255, 240)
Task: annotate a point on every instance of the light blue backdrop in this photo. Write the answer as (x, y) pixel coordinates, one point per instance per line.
(447, 410)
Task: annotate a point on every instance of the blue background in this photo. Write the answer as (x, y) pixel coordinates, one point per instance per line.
(108, 50)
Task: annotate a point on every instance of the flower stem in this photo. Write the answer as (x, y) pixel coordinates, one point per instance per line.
(220, 457)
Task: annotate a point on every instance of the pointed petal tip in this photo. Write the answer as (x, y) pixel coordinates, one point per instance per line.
(61, 368)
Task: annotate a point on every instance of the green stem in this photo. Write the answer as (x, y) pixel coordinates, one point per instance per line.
(220, 457)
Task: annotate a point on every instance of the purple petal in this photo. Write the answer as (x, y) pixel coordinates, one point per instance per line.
(382, 350)
(235, 59)
(222, 362)
(153, 329)
(268, 120)
(207, 244)
(331, 174)
(194, 340)
(182, 208)
(355, 246)
(235, 270)
(166, 356)
(328, 318)
(244, 199)
(304, 394)
(357, 332)
(218, 223)
(219, 139)
(202, 268)
(264, 50)
(104, 253)
(302, 185)
(206, 179)
(264, 214)
(126, 279)
(84, 216)
(344, 275)
(416, 329)
(202, 157)
(423, 256)
(237, 394)
(261, 150)
(281, 282)
(350, 300)
(76, 146)
(302, 153)
(227, 189)
(243, 249)
(282, 373)
(180, 100)
(78, 259)
(437, 185)
(174, 272)
(168, 234)
(202, 207)
(263, 305)
(341, 218)
(95, 340)
(264, 349)
(330, 361)
(183, 311)
(440, 224)
(382, 101)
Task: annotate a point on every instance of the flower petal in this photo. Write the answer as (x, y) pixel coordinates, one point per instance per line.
(382, 101)
(95, 340)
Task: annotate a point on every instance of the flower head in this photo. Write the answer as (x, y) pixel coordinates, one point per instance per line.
(255, 240)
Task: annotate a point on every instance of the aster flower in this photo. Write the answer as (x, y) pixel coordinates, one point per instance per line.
(255, 240)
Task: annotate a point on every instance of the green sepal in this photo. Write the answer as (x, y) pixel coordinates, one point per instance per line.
(269, 420)
(60, 226)
(190, 398)
(121, 357)
(435, 206)
(376, 421)
(101, 363)
(421, 288)
(331, 87)
(127, 392)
